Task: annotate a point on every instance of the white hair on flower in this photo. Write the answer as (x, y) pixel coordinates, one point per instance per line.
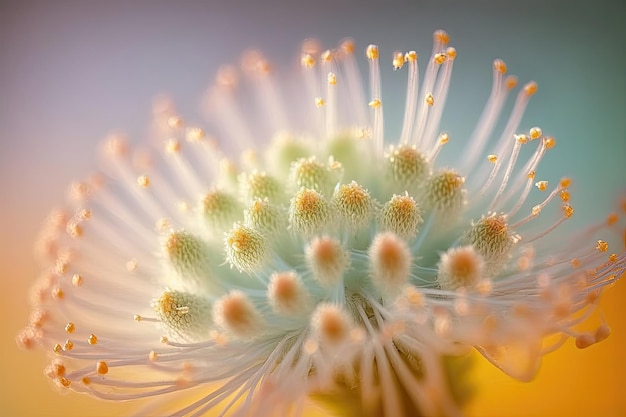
(326, 262)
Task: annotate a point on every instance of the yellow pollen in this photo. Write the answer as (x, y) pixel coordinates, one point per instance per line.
(443, 138)
(195, 134)
(175, 122)
(348, 46)
(613, 257)
(430, 100)
(564, 195)
(441, 36)
(542, 185)
(530, 88)
(612, 219)
(549, 142)
(172, 146)
(492, 158)
(376, 103)
(57, 349)
(500, 66)
(164, 340)
(131, 265)
(92, 339)
(510, 82)
(102, 368)
(86, 380)
(531, 175)
(440, 58)
(398, 60)
(68, 345)
(332, 78)
(137, 318)
(535, 133)
(70, 327)
(371, 52)
(74, 230)
(602, 246)
(326, 56)
(536, 210)
(565, 182)
(568, 210)
(521, 138)
(143, 181)
(320, 102)
(411, 56)
(58, 293)
(451, 53)
(65, 382)
(307, 61)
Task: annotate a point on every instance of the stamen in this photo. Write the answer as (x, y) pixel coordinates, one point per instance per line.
(378, 126)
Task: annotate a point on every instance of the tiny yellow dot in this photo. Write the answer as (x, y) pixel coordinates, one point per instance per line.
(530, 88)
(500, 66)
(510, 82)
(430, 99)
(535, 133)
(542, 185)
(568, 210)
(77, 280)
(70, 327)
(371, 52)
(375, 103)
(92, 339)
(440, 58)
(68, 345)
(102, 368)
(602, 246)
(143, 181)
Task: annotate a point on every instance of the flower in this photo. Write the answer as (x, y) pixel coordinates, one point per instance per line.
(319, 263)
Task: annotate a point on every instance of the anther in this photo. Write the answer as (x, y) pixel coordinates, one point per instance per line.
(398, 60)
(500, 66)
(70, 327)
(92, 339)
(375, 103)
(602, 246)
(371, 52)
(541, 185)
(429, 99)
(535, 133)
(530, 88)
(143, 181)
(439, 58)
(102, 368)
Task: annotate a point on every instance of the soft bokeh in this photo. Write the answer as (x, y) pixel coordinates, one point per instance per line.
(72, 71)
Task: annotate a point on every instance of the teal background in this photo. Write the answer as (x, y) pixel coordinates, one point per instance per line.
(73, 71)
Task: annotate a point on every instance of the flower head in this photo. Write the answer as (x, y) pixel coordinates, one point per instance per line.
(317, 258)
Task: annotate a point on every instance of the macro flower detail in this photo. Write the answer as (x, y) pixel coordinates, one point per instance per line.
(301, 254)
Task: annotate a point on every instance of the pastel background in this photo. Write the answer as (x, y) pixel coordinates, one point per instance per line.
(72, 71)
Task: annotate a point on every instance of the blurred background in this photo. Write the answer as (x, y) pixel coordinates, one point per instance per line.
(73, 71)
